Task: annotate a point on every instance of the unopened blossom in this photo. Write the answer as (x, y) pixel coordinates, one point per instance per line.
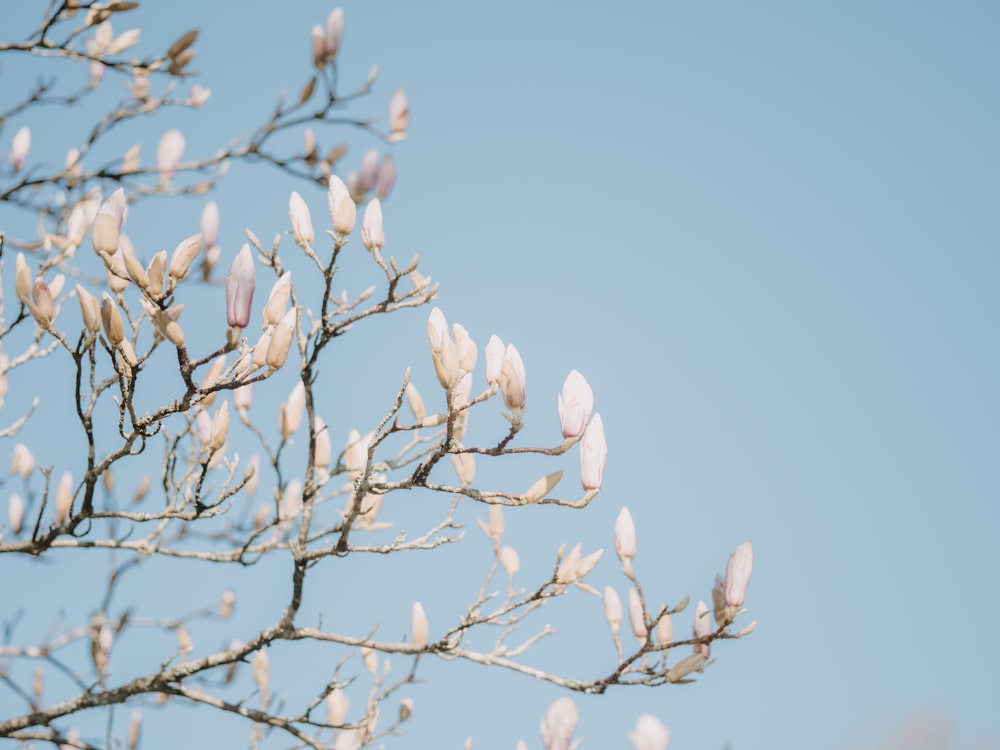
(324, 451)
(576, 402)
(509, 560)
(649, 734)
(416, 402)
(291, 500)
(142, 488)
(612, 608)
(226, 604)
(593, 454)
(356, 453)
(302, 226)
(625, 537)
(318, 46)
(281, 340)
(64, 497)
(702, 628)
(495, 527)
(274, 310)
(243, 397)
(15, 513)
(220, 427)
(156, 275)
(108, 223)
(96, 70)
(169, 152)
(738, 574)
(399, 113)
(184, 643)
(385, 177)
(372, 233)
(240, 282)
(366, 174)
(114, 326)
(134, 726)
(333, 32)
(465, 467)
(512, 382)
(22, 278)
(261, 671)
(337, 705)
(252, 474)
(199, 94)
(419, 625)
(559, 724)
(665, 630)
(343, 211)
(210, 224)
(90, 309)
(19, 148)
(443, 350)
(42, 306)
(184, 255)
(124, 41)
(636, 617)
(466, 348)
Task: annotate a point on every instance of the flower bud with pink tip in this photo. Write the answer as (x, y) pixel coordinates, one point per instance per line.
(738, 575)
(576, 402)
(302, 226)
(593, 454)
(343, 211)
(702, 628)
(277, 299)
(333, 32)
(443, 350)
(625, 538)
(240, 284)
(19, 148)
(385, 178)
(372, 232)
(494, 359)
(281, 340)
(210, 224)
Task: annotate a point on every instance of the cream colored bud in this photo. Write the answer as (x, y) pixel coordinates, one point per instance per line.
(142, 488)
(290, 416)
(345, 217)
(510, 560)
(155, 275)
(184, 255)
(22, 461)
(665, 631)
(261, 671)
(252, 475)
(15, 513)
(405, 709)
(465, 467)
(184, 643)
(636, 617)
(324, 450)
(416, 402)
(134, 726)
(542, 487)
(370, 658)
(64, 498)
(260, 350)
(211, 378)
(38, 684)
(419, 624)
(114, 326)
(90, 308)
(135, 271)
(42, 307)
(128, 354)
(281, 340)
(220, 427)
(22, 278)
(276, 301)
(337, 706)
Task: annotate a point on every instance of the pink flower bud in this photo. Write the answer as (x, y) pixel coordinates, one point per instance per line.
(324, 450)
(169, 152)
(385, 178)
(738, 574)
(281, 340)
(22, 461)
(399, 113)
(366, 173)
(612, 608)
(372, 233)
(239, 288)
(318, 47)
(559, 724)
(575, 404)
(210, 224)
(494, 359)
(635, 616)
(416, 402)
(649, 734)
(512, 382)
(19, 148)
(702, 628)
(443, 350)
(625, 537)
(593, 454)
(334, 30)
(15, 513)
(42, 306)
(64, 497)
(302, 226)
(278, 298)
(243, 397)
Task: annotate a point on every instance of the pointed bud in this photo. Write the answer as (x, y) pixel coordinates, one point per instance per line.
(343, 211)
(210, 224)
(465, 467)
(274, 310)
(184, 255)
(612, 609)
(290, 417)
(635, 616)
(155, 275)
(19, 148)
(64, 498)
(416, 402)
(542, 487)
(494, 359)
(419, 625)
(240, 287)
(169, 153)
(22, 461)
(466, 348)
(302, 226)
(372, 233)
(15, 513)
(334, 30)
(385, 177)
(281, 340)
(337, 705)
(399, 113)
(324, 450)
(42, 307)
(243, 397)
(318, 47)
(134, 727)
(510, 560)
(738, 574)
(114, 326)
(261, 671)
(593, 454)
(512, 382)
(220, 427)
(702, 628)
(22, 278)
(576, 402)
(665, 631)
(443, 351)
(625, 538)
(226, 604)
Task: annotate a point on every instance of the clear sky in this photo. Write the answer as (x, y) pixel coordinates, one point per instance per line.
(767, 234)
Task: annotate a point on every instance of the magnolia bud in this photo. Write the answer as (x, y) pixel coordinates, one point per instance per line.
(281, 340)
(114, 326)
(465, 467)
(575, 404)
(372, 233)
(416, 403)
(19, 148)
(323, 453)
(210, 224)
(252, 476)
(465, 347)
(593, 454)
(64, 498)
(239, 288)
(494, 359)
(635, 616)
(541, 488)
(184, 255)
(510, 560)
(184, 643)
(702, 628)
(169, 152)
(559, 724)
(612, 609)
(302, 226)
(512, 382)
(665, 630)
(227, 604)
(334, 30)
(134, 725)
(290, 416)
(625, 538)
(261, 671)
(318, 47)
(22, 461)
(337, 704)
(108, 223)
(243, 397)
(277, 299)
(649, 734)
(43, 308)
(385, 178)
(419, 625)
(738, 574)
(155, 273)
(399, 113)
(443, 351)
(15, 513)
(220, 426)
(22, 278)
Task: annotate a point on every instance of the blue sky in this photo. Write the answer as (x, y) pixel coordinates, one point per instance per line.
(766, 233)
